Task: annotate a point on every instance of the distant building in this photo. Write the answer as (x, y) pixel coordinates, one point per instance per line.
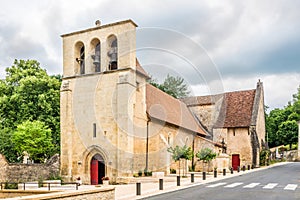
(113, 123)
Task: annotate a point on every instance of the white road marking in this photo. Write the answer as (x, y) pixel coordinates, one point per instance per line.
(233, 185)
(270, 186)
(251, 185)
(290, 187)
(216, 185)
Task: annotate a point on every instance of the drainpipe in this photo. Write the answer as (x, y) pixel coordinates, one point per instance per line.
(193, 151)
(147, 145)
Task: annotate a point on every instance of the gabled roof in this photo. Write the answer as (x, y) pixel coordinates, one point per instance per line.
(140, 69)
(236, 109)
(166, 108)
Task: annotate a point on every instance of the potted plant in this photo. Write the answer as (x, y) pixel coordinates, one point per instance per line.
(105, 181)
(140, 173)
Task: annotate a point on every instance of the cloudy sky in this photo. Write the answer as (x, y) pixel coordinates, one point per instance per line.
(231, 44)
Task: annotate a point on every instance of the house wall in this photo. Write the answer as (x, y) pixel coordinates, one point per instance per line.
(260, 122)
(205, 113)
(239, 142)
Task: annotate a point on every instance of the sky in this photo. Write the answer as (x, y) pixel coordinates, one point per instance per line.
(216, 46)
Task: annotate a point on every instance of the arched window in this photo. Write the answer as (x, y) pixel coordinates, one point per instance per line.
(80, 57)
(95, 49)
(113, 52)
(97, 60)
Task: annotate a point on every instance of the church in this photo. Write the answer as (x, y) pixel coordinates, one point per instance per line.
(114, 123)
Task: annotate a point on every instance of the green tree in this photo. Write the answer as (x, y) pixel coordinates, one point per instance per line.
(178, 153)
(280, 123)
(6, 146)
(288, 132)
(34, 138)
(206, 155)
(29, 93)
(174, 86)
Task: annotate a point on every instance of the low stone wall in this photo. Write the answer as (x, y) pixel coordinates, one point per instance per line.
(5, 194)
(90, 194)
(19, 172)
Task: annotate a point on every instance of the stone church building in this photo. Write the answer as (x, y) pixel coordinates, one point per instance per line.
(114, 124)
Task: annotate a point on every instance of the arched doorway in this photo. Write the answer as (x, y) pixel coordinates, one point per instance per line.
(97, 169)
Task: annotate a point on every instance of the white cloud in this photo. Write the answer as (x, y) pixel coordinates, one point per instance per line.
(246, 39)
(278, 88)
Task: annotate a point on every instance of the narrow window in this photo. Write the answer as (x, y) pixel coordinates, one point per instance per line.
(81, 61)
(113, 53)
(97, 58)
(94, 130)
(233, 131)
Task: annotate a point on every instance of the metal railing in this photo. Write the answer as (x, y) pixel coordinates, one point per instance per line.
(4, 184)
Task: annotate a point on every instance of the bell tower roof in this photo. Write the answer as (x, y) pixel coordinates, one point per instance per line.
(101, 27)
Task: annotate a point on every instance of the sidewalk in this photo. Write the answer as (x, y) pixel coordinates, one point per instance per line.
(150, 186)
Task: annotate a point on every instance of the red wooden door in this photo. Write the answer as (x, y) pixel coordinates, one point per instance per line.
(235, 161)
(94, 172)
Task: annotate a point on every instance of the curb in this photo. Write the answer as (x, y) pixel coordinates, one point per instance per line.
(156, 192)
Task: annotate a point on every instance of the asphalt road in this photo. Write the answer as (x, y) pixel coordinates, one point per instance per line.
(280, 182)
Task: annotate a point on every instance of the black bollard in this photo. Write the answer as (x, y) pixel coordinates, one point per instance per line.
(203, 175)
(161, 184)
(192, 178)
(238, 169)
(138, 188)
(49, 186)
(231, 170)
(248, 167)
(244, 168)
(224, 172)
(178, 180)
(215, 173)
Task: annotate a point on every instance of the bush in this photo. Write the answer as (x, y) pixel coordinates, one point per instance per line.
(55, 177)
(10, 186)
(147, 173)
(264, 157)
(135, 175)
(173, 171)
(140, 173)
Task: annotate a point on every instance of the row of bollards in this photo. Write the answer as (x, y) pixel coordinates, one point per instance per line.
(161, 181)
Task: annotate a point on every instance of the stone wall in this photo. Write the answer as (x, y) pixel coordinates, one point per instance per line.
(19, 172)
(91, 194)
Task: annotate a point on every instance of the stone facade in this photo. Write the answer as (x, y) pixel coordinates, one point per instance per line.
(113, 123)
(237, 119)
(15, 172)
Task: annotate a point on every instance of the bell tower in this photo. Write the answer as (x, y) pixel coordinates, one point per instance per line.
(97, 101)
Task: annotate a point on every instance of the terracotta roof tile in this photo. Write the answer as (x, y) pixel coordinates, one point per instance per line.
(236, 110)
(140, 69)
(166, 108)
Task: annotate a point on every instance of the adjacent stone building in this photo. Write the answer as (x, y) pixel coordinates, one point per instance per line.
(113, 123)
(237, 120)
